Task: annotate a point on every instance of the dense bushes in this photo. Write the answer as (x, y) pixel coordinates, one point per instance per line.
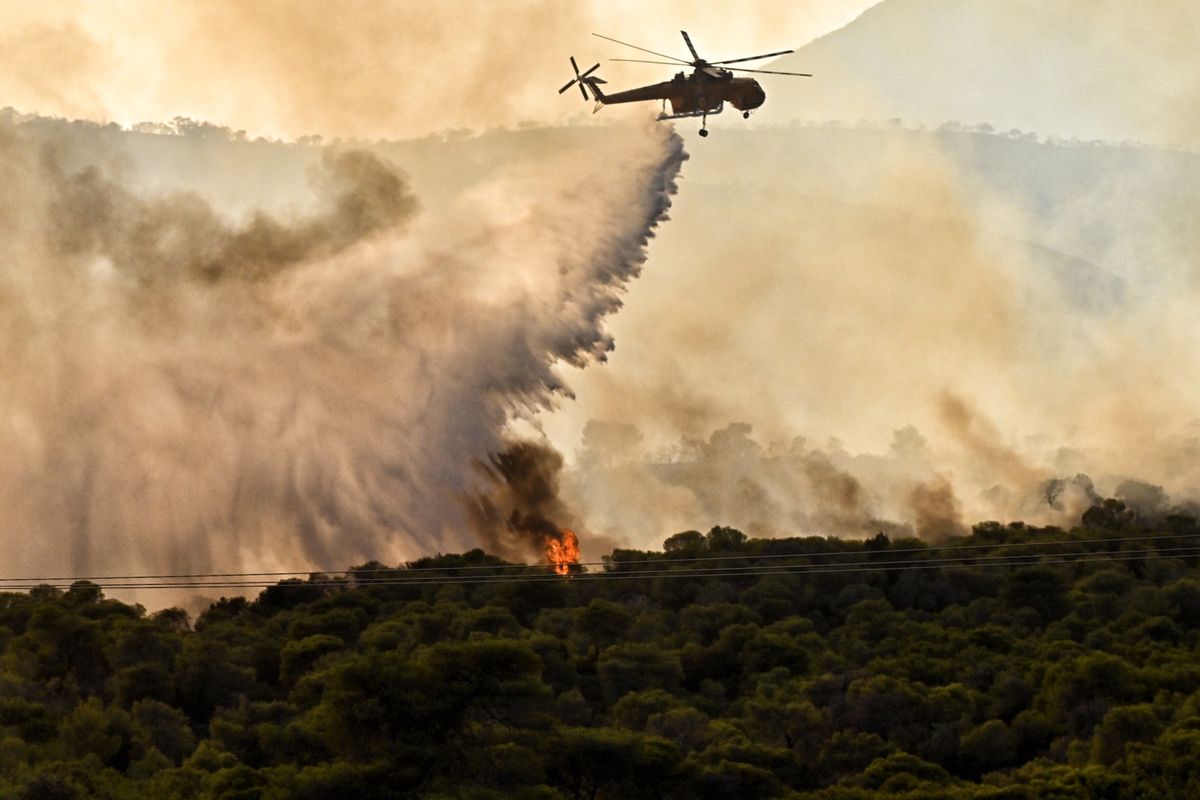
(1054, 677)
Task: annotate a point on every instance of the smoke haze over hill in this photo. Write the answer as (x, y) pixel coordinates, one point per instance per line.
(1020, 305)
(1088, 69)
(918, 330)
(190, 391)
(361, 69)
(280, 354)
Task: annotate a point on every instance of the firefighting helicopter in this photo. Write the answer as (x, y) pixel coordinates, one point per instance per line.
(700, 94)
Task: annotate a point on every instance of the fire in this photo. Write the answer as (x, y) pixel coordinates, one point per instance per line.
(563, 552)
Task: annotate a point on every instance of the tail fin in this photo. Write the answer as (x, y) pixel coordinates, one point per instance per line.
(592, 82)
(597, 95)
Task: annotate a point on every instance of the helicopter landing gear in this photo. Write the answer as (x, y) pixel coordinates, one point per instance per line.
(745, 115)
(703, 123)
(703, 132)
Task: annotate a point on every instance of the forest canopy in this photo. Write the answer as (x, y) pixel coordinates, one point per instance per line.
(1010, 663)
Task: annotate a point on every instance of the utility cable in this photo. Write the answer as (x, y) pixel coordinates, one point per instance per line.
(604, 563)
(714, 572)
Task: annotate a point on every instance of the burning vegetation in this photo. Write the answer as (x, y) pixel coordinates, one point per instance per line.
(520, 514)
(563, 552)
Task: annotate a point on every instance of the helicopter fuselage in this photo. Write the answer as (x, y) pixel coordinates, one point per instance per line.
(700, 94)
(705, 90)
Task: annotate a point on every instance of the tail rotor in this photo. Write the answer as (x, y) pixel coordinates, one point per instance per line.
(582, 79)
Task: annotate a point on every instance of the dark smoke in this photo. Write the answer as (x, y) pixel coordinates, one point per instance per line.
(521, 510)
(181, 237)
(782, 489)
(838, 495)
(1148, 501)
(936, 512)
(1065, 494)
(186, 391)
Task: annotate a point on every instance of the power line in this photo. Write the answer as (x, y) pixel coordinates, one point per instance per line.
(716, 572)
(604, 563)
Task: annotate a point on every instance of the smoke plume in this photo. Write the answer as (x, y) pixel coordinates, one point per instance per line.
(186, 390)
(522, 513)
(925, 329)
(363, 68)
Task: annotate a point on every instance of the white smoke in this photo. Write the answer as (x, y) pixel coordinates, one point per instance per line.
(972, 316)
(184, 391)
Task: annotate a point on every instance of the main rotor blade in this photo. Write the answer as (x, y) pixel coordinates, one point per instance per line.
(769, 72)
(688, 39)
(642, 61)
(752, 58)
(644, 50)
(570, 83)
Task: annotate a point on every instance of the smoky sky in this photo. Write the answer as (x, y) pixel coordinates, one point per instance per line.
(1015, 306)
(361, 69)
(917, 327)
(1078, 68)
(191, 389)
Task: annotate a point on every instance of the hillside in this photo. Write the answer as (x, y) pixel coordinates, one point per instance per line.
(1043, 288)
(1013, 663)
(1068, 68)
(831, 282)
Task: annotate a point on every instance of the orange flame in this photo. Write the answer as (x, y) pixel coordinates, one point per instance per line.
(563, 552)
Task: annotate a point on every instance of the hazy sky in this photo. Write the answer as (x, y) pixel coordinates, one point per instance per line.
(362, 67)
(865, 281)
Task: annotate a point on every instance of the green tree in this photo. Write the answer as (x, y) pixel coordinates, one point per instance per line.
(603, 623)
(1039, 588)
(298, 656)
(626, 668)
(1121, 726)
(687, 543)
(91, 729)
(989, 746)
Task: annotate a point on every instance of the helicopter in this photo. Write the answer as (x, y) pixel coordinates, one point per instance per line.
(703, 93)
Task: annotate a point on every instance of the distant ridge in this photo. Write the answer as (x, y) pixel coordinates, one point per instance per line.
(1087, 69)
